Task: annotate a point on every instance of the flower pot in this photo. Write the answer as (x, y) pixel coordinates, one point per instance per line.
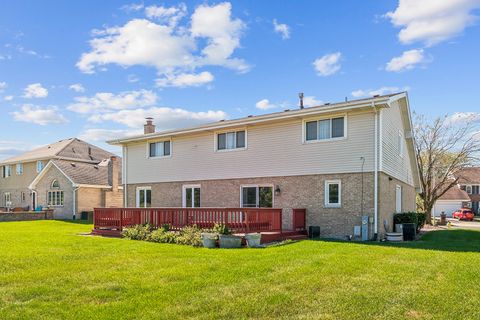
(394, 236)
(399, 227)
(228, 241)
(253, 240)
(209, 240)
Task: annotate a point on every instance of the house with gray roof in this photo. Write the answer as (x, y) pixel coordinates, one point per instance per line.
(69, 176)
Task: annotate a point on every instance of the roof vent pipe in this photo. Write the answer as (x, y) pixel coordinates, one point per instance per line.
(300, 95)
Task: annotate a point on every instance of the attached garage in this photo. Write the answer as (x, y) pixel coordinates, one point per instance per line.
(451, 201)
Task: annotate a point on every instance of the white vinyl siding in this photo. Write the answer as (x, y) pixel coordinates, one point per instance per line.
(275, 149)
(396, 160)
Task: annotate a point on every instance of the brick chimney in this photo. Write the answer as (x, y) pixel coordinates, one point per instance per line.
(113, 173)
(149, 127)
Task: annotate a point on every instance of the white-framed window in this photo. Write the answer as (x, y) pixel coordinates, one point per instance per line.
(23, 196)
(325, 129)
(55, 198)
(468, 189)
(144, 197)
(159, 149)
(40, 165)
(6, 171)
(19, 168)
(400, 143)
(191, 196)
(7, 199)
(256, 196)
(333, 193)
(398, 199)
(55, 184)
(232, 140)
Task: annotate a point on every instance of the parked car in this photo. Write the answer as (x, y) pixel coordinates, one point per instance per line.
(464, 214)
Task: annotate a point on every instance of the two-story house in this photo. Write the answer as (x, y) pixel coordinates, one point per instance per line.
(340, 161)
(69, 176)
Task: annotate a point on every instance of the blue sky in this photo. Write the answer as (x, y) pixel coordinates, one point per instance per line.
(95, 69)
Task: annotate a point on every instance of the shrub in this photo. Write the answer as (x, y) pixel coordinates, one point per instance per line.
(422, 218)
(418, 218)
(221, 229)
(137, 232)
(190, 236)
(165, 227)
(162, 236)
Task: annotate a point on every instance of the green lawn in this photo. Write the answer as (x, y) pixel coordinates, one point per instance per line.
(48, 271)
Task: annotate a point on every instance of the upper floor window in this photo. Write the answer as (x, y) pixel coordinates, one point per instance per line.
(55, 184)
(6, 171)
(333, 193)
(231, 140)
(325, 129)
(469, 189)
(19, 168)
(40, 166)
(159, 149)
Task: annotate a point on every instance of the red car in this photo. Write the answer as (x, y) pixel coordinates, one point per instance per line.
(463, 214)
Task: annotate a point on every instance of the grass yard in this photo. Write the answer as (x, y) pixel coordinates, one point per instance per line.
(48, 271)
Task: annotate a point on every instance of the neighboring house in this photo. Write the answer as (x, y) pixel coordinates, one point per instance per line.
(69, 176)
(339, 161)
(451, 201)
(466, 194)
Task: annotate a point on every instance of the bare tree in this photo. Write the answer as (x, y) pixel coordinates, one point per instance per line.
(442, 148)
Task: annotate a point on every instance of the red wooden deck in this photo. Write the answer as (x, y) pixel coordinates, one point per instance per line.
(268, 221)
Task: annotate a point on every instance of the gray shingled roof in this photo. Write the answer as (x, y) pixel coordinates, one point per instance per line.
(87, 173)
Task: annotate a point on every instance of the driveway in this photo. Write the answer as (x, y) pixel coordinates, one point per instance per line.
(475, 225)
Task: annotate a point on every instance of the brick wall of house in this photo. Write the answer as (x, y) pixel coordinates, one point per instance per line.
(113, 199)
(387, 200)
(296, 192)
(89, 198)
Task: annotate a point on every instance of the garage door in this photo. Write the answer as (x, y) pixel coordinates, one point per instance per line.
(448, 207)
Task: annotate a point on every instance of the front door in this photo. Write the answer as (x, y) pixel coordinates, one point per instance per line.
(191, 196)
(34, 200)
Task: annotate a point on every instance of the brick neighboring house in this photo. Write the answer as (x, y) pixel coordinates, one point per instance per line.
(69, 176)
(339, 161)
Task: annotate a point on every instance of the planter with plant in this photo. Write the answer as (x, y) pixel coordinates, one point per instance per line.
(225, 237)
(253, 240)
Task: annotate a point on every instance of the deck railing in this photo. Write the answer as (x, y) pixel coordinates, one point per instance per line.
(239, 220)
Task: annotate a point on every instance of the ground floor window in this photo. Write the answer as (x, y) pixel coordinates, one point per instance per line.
(191, 196)
(257, 196)
(398, 199)
(333, 193)
(55, 198)
(144, 197)
(7, 199)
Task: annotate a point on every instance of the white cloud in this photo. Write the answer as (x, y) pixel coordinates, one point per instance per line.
(107, 101)
(77, 87)
(3, 85)
(408, 60)
(265, 104)
(98, 134)
(281, 28)
(170, 16)
(10, 148)
(432, 21)
(132, 78)
(132, 7)
(165, 118)
(35, 90)
(328, 65)
(38, 115)
(380, 91)
(462, 117)
(185, 80)
(311, 101)
(8, 98)
(210, 39)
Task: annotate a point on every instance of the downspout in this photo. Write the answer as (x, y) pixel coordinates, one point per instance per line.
(74, 201)
(124, 176)
(375, 182)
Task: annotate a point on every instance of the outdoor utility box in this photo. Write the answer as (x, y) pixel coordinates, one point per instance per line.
(313, 232)
(87, 215)
(409, 231)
